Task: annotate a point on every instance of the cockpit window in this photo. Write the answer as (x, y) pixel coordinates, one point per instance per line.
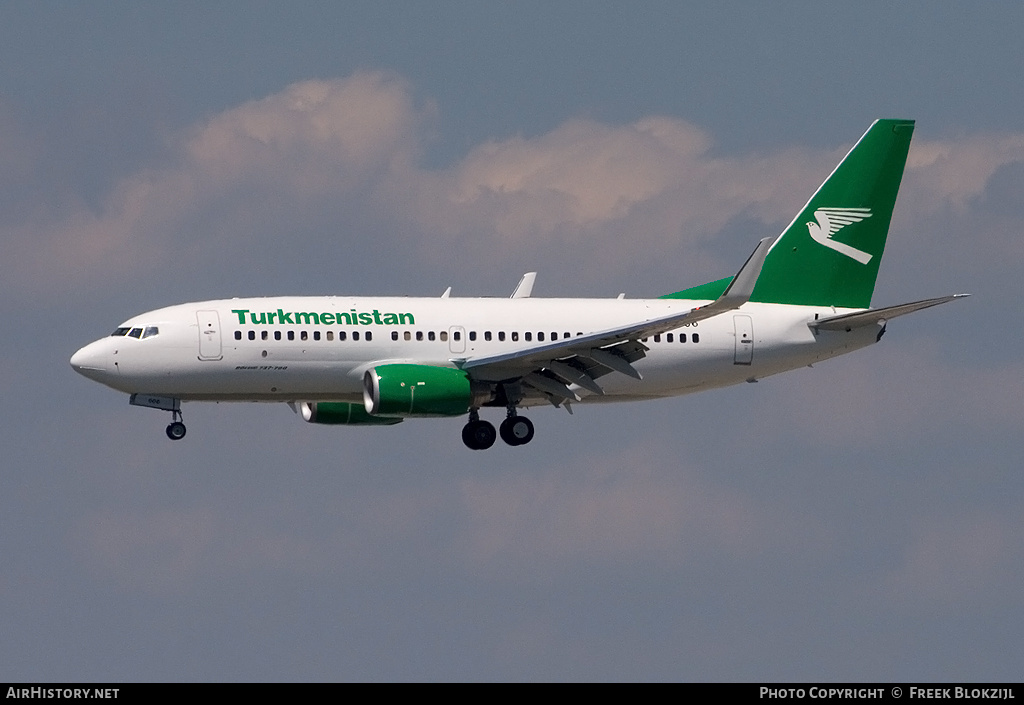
(135, 333)
(150, 331)
(120, 332)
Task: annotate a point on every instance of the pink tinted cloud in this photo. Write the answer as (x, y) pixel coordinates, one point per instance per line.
(320, 150)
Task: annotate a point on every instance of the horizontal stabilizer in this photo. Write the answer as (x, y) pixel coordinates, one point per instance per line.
(849, 321)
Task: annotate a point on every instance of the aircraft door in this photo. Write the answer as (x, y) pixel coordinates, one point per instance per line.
(744, 339)
(209, 335)
(457, 339)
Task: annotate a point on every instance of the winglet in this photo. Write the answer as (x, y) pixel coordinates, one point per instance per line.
(742, 285)
(525, 287)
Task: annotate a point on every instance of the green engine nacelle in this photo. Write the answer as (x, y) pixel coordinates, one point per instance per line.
(340, 413)
(421, 390)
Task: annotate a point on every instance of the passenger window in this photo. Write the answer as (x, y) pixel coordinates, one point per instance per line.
(696, 337)
(316, 335)
(330, 335)
(238, 335)
(501, 335)
(540, 337)
(487, 335)
(668, 338)
(472, 335)
(135, 333)
(408, 335)
(263, 335)
(150, 332)
(554, 335)
(355, 335)
(444, 335)
(342, 335)
(277, 335)
(419, 335)
(430, 335)
(682, 337)
(456, 335)
(394, 335)
(252, 335)
(369, 335)
(515, 336)
(303, 335)
(291, 335)
(528, 335)
(657, 338)
(566, 335)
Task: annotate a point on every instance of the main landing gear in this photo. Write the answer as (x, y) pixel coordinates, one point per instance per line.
(516, 430)
(479, 435)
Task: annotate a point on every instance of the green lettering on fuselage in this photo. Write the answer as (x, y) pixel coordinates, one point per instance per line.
(326, 318)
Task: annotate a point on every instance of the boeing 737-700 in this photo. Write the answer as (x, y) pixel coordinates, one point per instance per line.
(801, 297)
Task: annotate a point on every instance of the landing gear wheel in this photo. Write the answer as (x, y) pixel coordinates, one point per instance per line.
(516, 430)
(478, 435)
(176, 430)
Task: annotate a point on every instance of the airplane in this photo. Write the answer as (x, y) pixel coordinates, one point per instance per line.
(801, 297)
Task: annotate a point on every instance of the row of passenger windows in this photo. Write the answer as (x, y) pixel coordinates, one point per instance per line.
(304, 335)
(669, 338)
(147, 332)
(429, 335)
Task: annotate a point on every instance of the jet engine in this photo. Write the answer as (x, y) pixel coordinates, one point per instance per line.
(403, 391)
(341, 413)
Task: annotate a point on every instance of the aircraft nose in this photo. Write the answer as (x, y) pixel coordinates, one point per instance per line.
(91, 361)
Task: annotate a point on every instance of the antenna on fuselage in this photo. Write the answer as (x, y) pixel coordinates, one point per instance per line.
(525, 287)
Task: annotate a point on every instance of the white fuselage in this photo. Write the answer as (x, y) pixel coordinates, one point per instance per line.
(318, 348)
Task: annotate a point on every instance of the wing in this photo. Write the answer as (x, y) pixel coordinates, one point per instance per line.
(838, 218)
(550, 368)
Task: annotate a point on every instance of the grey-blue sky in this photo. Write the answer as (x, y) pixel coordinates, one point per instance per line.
(860, 520)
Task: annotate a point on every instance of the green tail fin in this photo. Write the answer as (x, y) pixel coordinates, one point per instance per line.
(829, 254)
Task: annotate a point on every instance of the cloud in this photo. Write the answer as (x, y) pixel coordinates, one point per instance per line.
(952, 172)
(335, 166)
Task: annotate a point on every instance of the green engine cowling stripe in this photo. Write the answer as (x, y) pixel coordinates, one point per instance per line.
(346, 414)
(417, 390)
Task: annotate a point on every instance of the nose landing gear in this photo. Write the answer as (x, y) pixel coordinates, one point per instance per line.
(176, 429)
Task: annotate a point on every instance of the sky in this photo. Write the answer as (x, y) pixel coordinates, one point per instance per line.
(859, 520)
